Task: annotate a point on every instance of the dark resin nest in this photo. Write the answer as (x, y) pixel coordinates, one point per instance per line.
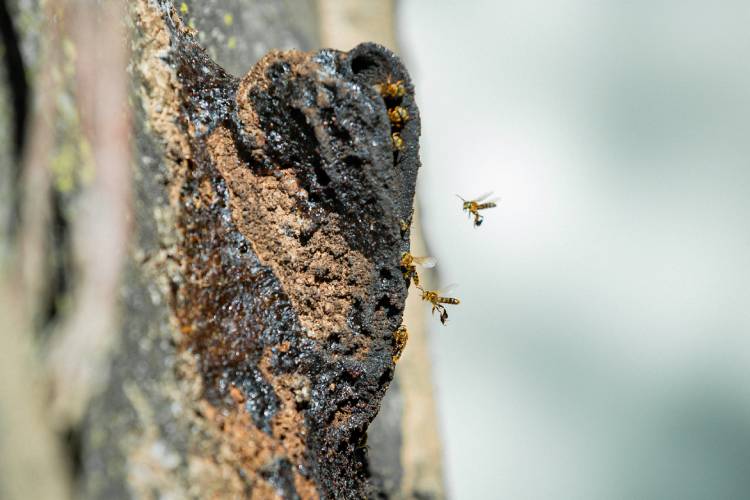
(292, 210)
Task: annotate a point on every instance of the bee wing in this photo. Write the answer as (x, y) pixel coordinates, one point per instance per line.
(485, 195)
(447, 288)
(426, 262)
(494, 199)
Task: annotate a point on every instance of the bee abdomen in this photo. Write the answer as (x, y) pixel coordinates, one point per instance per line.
(449, 300)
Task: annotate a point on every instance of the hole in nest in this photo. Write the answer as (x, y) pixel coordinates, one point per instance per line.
(323, 178)
(341, 133)
(385, 377)
(385, 304)
(361, 64)
(277, 70)
(307, 233)
(353, 161)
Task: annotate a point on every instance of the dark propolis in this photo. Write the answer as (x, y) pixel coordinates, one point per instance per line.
(291, 204)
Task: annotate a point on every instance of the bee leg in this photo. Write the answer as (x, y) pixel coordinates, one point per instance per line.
(443, 315)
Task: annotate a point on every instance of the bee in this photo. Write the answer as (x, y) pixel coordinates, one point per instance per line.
(398, 142)
(398, 116)
(400, 337)
(437, 301)
(391, 89)
(409, 265)
(474, 206)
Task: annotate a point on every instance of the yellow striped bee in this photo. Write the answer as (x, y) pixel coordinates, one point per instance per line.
(409, 265)
(474, 206)
(391, 89)
(398, 142)
(434, 297)
(400, 337)
(398, 116)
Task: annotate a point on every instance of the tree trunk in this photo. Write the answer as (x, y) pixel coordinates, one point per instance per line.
(212, 300)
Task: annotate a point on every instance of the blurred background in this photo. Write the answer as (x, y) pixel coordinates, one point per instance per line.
(601, 349)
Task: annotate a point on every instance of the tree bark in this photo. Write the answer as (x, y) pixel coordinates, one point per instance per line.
(226, 330)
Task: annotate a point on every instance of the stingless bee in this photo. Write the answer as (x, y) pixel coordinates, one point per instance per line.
(392, 92)
(409, 265)
(474, 206)
(437, 301)
(398, 116)
(398, 142)
(400, 337)
(391, 89)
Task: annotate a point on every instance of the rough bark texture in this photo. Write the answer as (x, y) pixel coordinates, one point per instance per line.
(278, 213)
(262, 284)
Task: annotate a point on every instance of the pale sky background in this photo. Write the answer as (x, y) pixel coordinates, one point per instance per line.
(602, 349)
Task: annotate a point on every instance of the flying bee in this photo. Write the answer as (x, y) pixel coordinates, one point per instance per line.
(391, 89)
(398, 116)
(474, 206)
(409, 265)
(437, 301)
(398, 142)
(400, 337)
